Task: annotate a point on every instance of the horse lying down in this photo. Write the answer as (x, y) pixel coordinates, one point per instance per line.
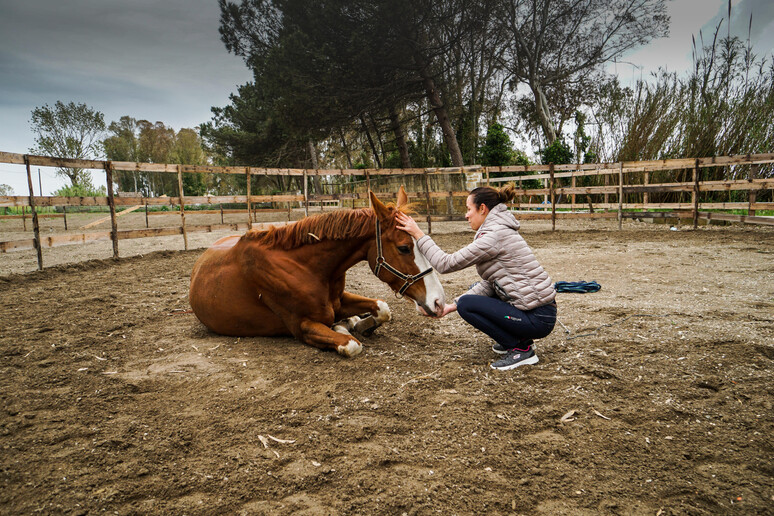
(290, 280)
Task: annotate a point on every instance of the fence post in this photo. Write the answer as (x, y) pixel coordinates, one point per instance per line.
(249, 215)
(573, 184)
(112, 205)
(306, 195)
(147, 225)
(24, 217)
(645, 196)
(35, 225)
(695, 194)
(449, 199)
(64, 213)
(620, 196)
(182, 201)
(322, 189)
(427, 202)
(752, 194)
(552, 189)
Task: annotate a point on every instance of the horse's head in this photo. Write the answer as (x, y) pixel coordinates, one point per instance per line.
(397, 261)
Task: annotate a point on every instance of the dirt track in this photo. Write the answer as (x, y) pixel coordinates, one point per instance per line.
(114, 401)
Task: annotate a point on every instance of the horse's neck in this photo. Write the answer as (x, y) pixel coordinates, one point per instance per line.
(341, 255)
(332, 257)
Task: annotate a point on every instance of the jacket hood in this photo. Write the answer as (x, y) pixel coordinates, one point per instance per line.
(499, 216)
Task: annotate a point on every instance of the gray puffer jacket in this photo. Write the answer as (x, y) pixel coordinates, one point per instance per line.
(506, 264)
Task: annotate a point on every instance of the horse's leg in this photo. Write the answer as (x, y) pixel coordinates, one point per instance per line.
(353, 305)
(320, 336)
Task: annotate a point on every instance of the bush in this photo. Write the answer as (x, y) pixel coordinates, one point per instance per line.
(497, 151)
(557, 153)
(81, 191)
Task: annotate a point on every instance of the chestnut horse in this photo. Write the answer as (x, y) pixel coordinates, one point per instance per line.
(290, 280)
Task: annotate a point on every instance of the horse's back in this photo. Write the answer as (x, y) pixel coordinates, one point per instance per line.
(221, 296)
(226, 242)
(217, 254)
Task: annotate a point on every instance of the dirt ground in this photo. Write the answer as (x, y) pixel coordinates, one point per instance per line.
(657, 401)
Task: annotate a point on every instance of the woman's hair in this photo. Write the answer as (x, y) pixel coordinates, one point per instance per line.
(491, 197)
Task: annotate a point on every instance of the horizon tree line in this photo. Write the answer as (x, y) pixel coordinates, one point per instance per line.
(356, 84)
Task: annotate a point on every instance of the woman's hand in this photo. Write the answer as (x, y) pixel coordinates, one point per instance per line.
(447, 309)
(409, 225)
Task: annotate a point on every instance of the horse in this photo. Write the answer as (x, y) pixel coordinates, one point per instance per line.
(290, 280)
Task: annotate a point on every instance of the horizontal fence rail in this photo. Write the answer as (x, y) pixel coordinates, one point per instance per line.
(540, 189)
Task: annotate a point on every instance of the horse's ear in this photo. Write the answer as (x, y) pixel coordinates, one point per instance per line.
(379, 208)
(402, 197)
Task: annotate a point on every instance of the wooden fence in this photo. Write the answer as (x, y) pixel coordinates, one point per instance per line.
(555, 183)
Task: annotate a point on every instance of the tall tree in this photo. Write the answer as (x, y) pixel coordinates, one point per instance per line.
(328, 64)
(145, 142)
(69, 131)
(122, 145)
(559, 41)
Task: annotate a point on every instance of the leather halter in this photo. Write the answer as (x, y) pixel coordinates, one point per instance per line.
(381, 262)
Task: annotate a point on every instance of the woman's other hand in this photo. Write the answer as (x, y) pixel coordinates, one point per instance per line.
(447, 309)
(409, 225)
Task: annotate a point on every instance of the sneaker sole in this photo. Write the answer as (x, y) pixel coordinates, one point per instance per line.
(529, 361)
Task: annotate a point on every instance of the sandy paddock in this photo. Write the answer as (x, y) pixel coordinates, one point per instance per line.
(658, 401)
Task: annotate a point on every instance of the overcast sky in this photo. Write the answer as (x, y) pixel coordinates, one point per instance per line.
(164, 61)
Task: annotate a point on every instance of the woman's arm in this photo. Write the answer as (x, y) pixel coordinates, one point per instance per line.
(480, 249)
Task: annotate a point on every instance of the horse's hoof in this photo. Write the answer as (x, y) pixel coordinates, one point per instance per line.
(383, 313)
(351, 349)
(345, 326)
(366, 326)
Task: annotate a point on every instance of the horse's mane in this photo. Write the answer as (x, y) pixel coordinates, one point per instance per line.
(336, 225)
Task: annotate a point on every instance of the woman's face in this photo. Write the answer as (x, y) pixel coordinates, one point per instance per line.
(475, 214)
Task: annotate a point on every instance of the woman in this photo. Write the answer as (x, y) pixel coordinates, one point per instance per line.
(514, 301)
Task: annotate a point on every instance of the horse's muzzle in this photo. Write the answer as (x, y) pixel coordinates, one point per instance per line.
(425, 310)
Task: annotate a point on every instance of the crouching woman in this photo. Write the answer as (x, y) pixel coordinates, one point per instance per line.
(514, 303)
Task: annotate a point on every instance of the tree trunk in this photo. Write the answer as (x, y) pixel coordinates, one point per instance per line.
(371, 142)
(346, 148)
(315, 178)
(400, 138)
(378, 135)
(440, 113)
(544, 113)
(72, 174)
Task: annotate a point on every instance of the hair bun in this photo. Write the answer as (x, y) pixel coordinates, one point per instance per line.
(507, 192)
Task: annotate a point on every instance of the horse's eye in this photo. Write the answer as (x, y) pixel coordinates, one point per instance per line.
(404, 249)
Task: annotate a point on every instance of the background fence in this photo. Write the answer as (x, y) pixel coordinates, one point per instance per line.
(640, 189)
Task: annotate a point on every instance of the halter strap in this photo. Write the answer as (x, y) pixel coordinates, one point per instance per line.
(381, 262)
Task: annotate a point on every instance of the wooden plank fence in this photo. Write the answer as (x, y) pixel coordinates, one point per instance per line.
(552, 192)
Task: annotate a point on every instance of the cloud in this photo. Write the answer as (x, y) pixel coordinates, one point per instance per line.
(698, 19)
(146, 59)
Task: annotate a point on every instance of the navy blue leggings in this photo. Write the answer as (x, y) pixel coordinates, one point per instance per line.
(506, 324)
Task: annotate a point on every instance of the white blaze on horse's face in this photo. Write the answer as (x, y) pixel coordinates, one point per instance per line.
(434, 295)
